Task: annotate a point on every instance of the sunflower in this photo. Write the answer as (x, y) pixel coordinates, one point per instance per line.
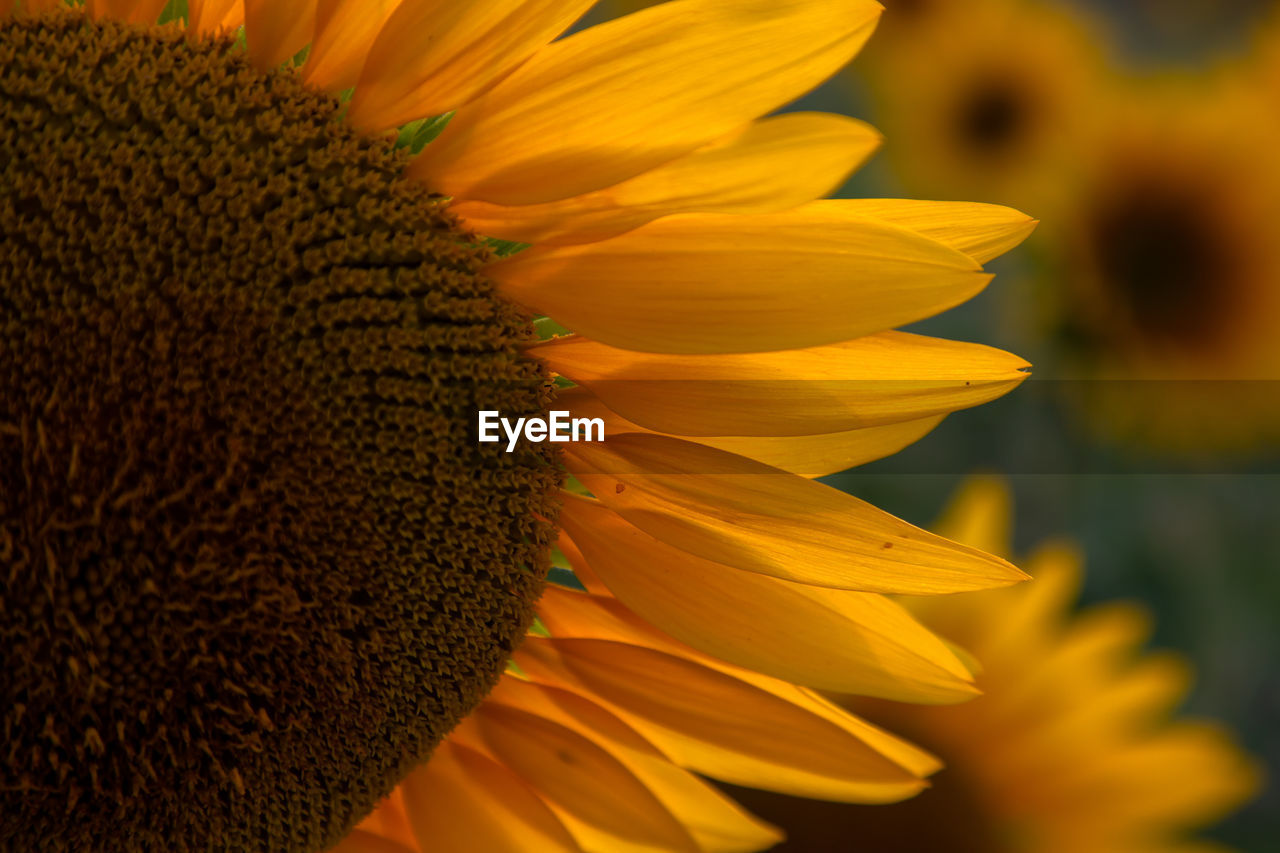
(263, 265)
(1068, 749)
(985, 97)
(1166, 301)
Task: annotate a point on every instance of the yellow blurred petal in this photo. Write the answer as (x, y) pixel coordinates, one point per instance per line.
(433, 56)
(579, 776)
(980, 514)
(133, 11)
(879, 379)
(725, 283)
(714, 820)
(275, 30)
(1097, 645)
(461, 801)
(206, 17)
(828, 639)
(1133, 785)
(344, 31)
(735, 511)
(981, 231)
(806, 455)
(774, 164)
(721, 726)
(620, 98)
(362, 841)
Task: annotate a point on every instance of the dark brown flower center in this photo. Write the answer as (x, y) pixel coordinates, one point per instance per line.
(991, 117)
(1164, 262)
(254, 563)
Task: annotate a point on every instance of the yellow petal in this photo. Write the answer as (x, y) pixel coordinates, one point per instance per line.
(820, 455)
(714, 821)
(719, 725)
(728, 283)
(620, 98)
(362, 841)
(835, 640)
(132, 11)
(461, 801)
(206, 17)
(735, 511)
(806, 455)
(345, 29)
(567, 613)
(879, 379)
(774, 164)
(578, 775)
(981, 231)
(275, 30)
(433, 56)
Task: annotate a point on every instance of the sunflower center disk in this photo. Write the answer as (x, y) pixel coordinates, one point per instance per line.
(1165, 263)
(255, 564)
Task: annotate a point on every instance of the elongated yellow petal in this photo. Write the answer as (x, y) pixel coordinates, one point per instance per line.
(884, 378)
(830, 453)
(981, 231)
(132, 11)
(714, 821)
(618, 99)
(461, 801)
(719, 725)
(345, 29)
(602, 617)
(723, 283)
(433, 56)
(806, 455)
(775, 164)
(579, 776)
(835, 640)
(363, 841)
(206, 17)
(735, 511)
(275, 30)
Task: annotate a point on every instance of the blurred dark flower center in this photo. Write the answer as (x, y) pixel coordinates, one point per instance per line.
(992, 117)
(1165, 262)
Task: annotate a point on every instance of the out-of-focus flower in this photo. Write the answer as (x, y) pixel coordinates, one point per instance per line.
(984, 97)
(1070, 748)
(1163, 269)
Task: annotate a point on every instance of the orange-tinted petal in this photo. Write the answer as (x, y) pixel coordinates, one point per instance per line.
(461, 801)
(835, 640)
(621, 98)
(433, 56)
(774, 164)
(813, 275)
(276, 30)
(884, 378)
(735, 511)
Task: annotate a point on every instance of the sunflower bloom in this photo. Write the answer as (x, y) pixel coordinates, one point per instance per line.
(262, 266)
(1070, 747)
(986, 97)
(1168, 299)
